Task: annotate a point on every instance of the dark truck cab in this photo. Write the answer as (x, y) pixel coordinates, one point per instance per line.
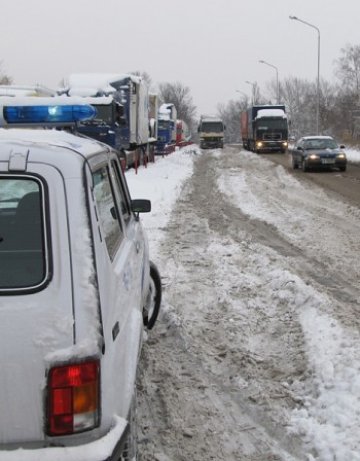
(264, 128)
(109, 126)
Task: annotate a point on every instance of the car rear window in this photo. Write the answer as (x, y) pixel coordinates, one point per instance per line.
(22, 254)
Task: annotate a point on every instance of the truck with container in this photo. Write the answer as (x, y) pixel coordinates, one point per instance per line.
(211, 132)
(166, 139)
(183, 133)
(264, 128)
(122, 103)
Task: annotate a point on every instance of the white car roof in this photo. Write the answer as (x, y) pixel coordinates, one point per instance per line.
(317, 137)
(63, 150)
(54, 138)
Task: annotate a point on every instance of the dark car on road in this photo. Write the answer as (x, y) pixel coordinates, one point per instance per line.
(318, 152)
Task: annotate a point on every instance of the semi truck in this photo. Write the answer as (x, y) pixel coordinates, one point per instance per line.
(122, 103)
(264, 128)
(167, 117)
(211, 132)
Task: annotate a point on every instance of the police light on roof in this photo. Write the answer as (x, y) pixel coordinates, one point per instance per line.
(57, 114)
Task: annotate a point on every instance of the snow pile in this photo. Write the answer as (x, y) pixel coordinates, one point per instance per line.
(330, 419)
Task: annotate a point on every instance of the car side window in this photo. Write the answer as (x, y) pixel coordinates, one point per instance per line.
(108, 212)
(121, 192)
(22, 235)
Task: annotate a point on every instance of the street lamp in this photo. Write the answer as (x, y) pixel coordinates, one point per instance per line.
(318, 70)
(277, 78)
(253, 84)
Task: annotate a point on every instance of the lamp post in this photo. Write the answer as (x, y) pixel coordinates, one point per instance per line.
(318, 71)
(253, 84)
(277, 78)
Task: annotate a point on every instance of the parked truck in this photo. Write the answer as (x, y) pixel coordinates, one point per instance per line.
(264, 128)
(122, 103)
(167, 117)
(211, 132)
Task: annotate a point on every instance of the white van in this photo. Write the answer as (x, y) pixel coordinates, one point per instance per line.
(75, 288)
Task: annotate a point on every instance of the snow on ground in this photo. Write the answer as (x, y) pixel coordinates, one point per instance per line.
(353, 155)
(161, 183)
(329, 419)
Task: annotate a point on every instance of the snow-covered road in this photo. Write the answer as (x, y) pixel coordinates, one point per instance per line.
(256, 354)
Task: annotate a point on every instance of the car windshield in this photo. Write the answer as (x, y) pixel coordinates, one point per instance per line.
(22, 262)
(320, 143)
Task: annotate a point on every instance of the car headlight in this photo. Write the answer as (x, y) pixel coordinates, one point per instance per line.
(259, 144)
(341, 156)
(313, 157)
(285, 144)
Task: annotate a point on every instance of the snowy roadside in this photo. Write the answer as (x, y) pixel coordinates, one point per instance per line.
(328, 413)
(161, 183)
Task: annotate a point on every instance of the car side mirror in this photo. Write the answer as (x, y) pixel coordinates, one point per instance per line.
(141, 206)
(342, 146)
(299, 148)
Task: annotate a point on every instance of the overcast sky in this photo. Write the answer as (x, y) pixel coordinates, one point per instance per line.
(212, 46)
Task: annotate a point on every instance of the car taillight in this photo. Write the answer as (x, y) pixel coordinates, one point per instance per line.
(73, 398)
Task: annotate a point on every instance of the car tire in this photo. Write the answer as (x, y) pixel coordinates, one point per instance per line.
(342, 168)
(152, 309)
(294, 163)
(304, 167)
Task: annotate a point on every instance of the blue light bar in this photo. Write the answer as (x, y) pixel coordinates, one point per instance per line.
(56, 114)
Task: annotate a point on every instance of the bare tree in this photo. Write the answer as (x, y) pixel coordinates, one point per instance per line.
(348, 67)
(179, 95)
(230, 114)
(4, 78)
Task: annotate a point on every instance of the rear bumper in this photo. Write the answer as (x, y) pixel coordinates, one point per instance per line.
(107, 448)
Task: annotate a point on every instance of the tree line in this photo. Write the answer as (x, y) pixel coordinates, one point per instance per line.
(339, 109)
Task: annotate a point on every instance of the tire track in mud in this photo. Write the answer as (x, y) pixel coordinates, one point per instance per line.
(210, 395)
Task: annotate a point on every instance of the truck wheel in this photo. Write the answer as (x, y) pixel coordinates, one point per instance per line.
(153, 302)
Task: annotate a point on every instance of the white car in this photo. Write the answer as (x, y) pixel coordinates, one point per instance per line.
(75, 292)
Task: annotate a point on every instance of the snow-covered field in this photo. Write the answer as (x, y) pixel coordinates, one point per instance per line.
(285, 270)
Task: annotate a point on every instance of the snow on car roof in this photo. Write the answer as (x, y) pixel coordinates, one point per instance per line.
(317, 137)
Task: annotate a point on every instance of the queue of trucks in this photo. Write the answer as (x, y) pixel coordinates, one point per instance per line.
(128, 117)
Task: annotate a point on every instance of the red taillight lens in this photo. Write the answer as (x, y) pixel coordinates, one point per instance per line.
(73, 398)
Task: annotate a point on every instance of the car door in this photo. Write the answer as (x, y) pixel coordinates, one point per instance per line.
(117, 260)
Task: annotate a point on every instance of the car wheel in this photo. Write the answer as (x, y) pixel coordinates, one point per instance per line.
(129, 452)
(294, 163)
(153, 301)
(342, 168)
(304, 167)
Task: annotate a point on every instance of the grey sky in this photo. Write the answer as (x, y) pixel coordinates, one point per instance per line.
(211, 46)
